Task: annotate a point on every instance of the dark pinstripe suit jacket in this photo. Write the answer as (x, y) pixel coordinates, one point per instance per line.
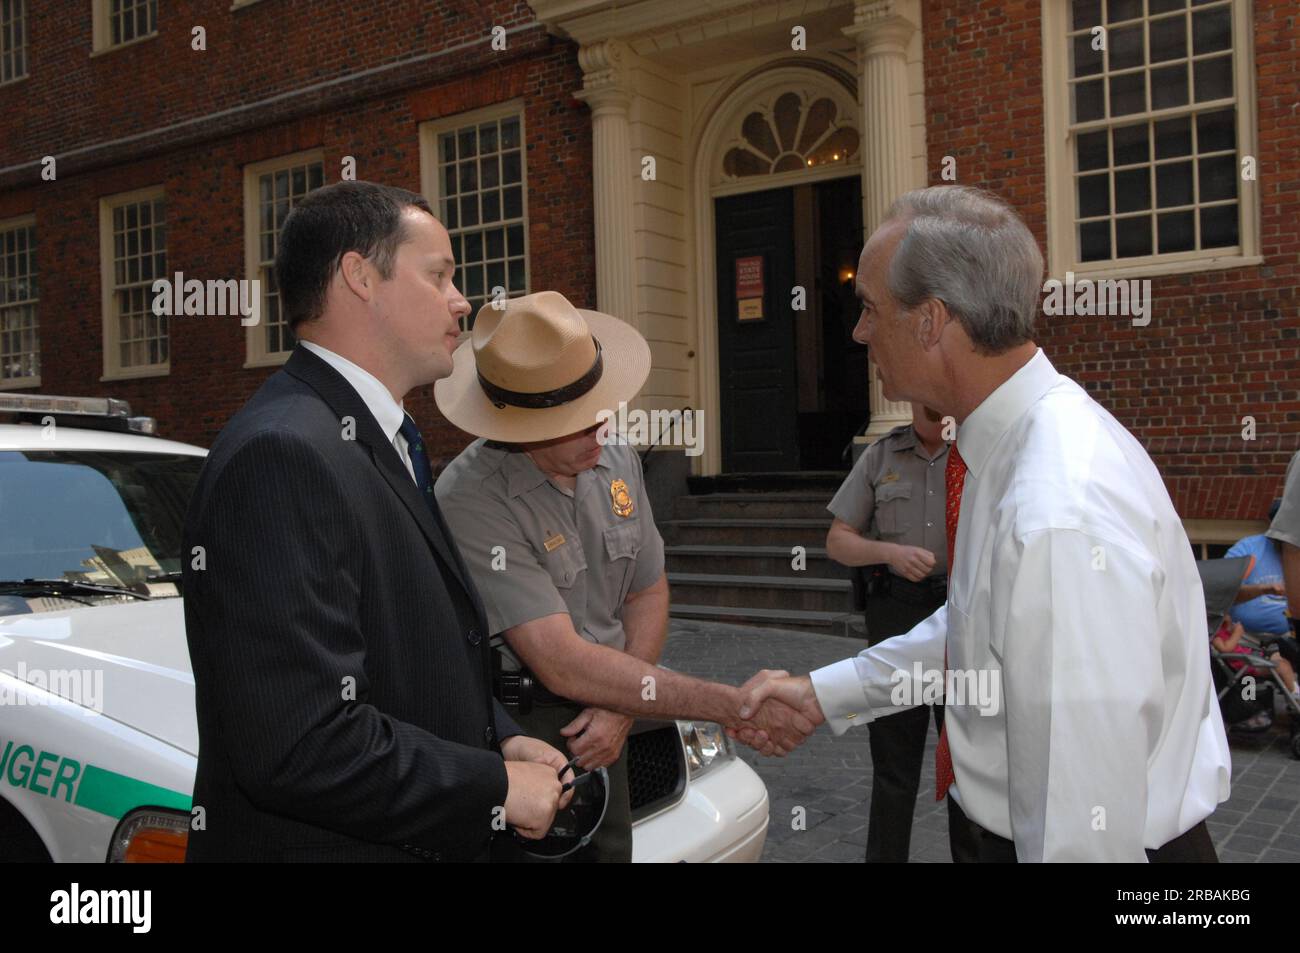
(340, 652)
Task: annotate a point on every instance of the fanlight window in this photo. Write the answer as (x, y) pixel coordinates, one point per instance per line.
(797, 134)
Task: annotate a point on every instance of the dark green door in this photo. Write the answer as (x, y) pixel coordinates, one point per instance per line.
(757, 387)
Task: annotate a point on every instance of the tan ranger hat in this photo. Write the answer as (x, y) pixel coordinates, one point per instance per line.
(539, 368)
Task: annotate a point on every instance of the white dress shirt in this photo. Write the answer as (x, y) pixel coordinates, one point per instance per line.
(1076, 591)
(387, 412)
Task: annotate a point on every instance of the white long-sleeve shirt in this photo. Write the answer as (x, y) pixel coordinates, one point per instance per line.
(1076, 596)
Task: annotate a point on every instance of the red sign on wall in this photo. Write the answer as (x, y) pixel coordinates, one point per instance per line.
(749, 288)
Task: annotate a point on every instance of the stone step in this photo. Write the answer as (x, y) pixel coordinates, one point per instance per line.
(752, 561)
(762, 592)
(753, 506)
(807, 532)
(825, 623)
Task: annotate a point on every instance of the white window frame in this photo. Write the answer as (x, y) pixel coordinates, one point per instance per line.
(1203, 533)
(429, 165)
(113, 369)
(1062, 241)
(13, 383)
(255, 352)
(102, 31)
(25, 16)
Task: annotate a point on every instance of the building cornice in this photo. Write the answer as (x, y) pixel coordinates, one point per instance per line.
(284, 107)
(648, 24)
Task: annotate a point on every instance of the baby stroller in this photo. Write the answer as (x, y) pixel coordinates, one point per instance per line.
(1238, 698)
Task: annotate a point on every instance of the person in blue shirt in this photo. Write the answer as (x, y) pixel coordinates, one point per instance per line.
(1262, 605)
(1260, 609)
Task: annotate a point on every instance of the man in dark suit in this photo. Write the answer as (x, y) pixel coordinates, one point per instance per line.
(340, 652)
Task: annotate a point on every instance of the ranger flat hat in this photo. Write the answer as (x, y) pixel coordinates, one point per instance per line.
(539, 368)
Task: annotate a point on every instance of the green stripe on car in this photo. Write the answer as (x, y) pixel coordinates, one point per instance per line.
(107, 792)
(68, 780)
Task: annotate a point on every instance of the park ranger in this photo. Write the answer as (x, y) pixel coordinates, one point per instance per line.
(550, 512)
(889, 518)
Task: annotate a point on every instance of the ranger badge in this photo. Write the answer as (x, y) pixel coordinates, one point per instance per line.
(621, 498)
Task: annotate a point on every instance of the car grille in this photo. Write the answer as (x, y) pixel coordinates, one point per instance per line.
(656, 769)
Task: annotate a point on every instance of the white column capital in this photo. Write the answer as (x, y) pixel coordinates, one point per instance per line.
(605, 86)
(881, 27)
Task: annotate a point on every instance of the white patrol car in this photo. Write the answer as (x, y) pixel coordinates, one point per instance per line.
(98, 739)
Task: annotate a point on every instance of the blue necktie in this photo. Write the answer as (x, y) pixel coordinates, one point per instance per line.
(424, 481)
(419, 460)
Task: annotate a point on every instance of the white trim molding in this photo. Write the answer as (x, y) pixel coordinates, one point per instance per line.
(710, 144)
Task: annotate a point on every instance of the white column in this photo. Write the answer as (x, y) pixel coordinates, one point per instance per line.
(882, 31)
(605, 90)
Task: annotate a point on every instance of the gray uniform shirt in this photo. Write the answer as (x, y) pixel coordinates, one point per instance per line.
(578, 552)
(895, 493)
(1286, 524)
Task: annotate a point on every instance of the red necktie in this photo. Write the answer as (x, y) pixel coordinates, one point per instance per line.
(954, 478)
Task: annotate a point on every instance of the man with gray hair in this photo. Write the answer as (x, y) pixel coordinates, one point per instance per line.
(1072, 586)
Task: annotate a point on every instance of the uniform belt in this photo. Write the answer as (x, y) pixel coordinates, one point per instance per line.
(929, 589)
(521, 690)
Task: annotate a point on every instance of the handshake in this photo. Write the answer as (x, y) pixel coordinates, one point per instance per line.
(773, 713)
(776, 712)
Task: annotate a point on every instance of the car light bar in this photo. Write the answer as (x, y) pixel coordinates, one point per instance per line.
(104, 408)
(41, 403)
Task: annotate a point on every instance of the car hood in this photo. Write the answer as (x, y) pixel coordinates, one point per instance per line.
(139, 648)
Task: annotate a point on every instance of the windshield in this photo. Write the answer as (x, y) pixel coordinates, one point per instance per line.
(93, 516)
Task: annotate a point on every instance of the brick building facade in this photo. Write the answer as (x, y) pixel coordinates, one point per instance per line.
(277, 79)
(1222, 343)
(908, 93)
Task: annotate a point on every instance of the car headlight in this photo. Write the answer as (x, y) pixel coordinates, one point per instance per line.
(150, 835)
(706, 744)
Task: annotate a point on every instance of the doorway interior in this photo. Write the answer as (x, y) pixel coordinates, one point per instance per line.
(793, 384)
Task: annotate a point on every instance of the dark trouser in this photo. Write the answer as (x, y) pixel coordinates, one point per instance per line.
(897, 753)
(971, 843)
(613, 841)
(897, 741)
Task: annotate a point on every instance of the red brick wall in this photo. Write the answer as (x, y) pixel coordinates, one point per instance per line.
(1221, 344)
(253, 52)
(72, 99)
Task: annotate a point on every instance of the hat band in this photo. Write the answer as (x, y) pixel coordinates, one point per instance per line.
(538, 400)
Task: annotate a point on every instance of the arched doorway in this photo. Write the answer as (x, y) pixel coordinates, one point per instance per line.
(778, 229)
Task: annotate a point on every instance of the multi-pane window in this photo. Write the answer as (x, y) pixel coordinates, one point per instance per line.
(139, 248)
(278, 191)
(481, 202)
(131, 19)
(13, 39)
(20, 349)
(1153, 127)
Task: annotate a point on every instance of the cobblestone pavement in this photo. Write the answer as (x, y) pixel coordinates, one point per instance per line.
(831, 777)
